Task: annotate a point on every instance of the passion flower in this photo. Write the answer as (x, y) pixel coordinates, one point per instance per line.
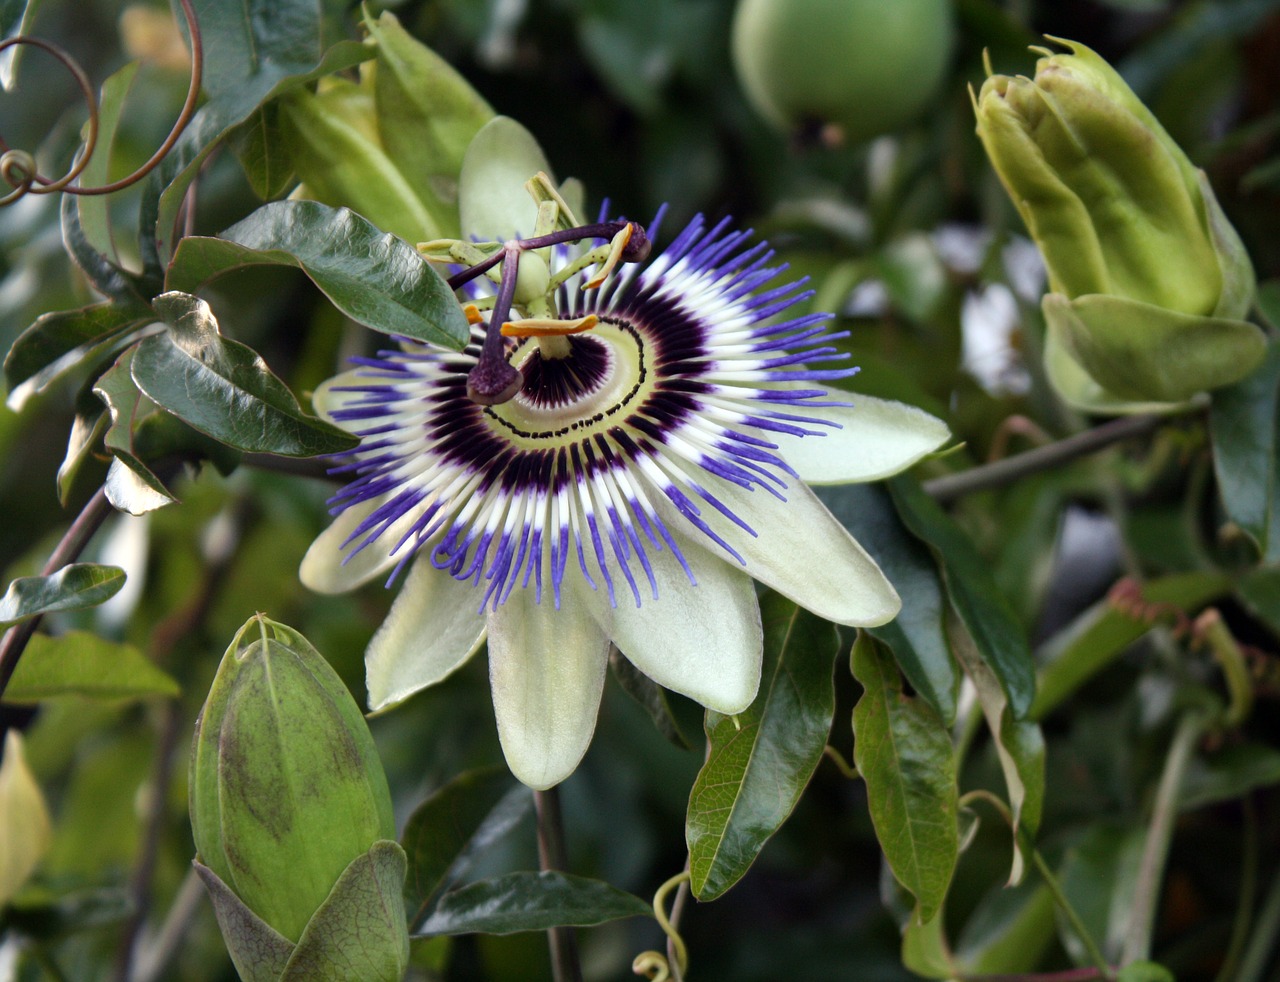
(609, 465)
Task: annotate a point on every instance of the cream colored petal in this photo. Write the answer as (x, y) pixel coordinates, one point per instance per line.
(433, 627)
(799, 549)
(329, 397)
(547, 668)
(322, 568)
(876, 438)
(702, 641)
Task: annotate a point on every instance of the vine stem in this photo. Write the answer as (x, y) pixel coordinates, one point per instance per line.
(1010, 469)
(1137, 942)
(1102, 969)
(552, 855)
(88, 522)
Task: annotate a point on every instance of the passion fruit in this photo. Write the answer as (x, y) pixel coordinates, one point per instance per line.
(846, 69)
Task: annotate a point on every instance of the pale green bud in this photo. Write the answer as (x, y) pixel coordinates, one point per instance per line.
(290, 810)
(1124, 220)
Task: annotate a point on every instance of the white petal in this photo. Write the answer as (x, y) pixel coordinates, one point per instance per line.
(433, 627)
(328, 398)
(876, 439)
(547, 668)
(702, 641)
(800, 550)
(322, 568)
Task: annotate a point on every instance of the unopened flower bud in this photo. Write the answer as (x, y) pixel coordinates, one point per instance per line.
(1150, 283)
(290, 808)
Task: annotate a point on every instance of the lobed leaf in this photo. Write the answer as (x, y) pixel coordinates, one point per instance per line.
(759, 762)
(368, 274)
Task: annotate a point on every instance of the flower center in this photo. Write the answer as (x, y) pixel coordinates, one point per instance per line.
(590, 389)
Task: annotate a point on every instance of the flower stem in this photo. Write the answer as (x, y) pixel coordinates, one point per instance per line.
(73, 542)
(1137, 942)
(552, 855)
(1011, 469)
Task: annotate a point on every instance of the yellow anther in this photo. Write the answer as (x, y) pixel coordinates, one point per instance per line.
(615, 256)
(472, 313)
(543, 327)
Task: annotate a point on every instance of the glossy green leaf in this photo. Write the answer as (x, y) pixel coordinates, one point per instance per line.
(924, 948)
(459, 820)
(107, 277)
(223, 388)
(24, 816)
(130, 484)
(359, 931)
(59, 340)
(259, 145)
(1244, 422)
(1098, 875)
(73, 587)
(916, 636)
(371, 276)
(284, 52)
(651, 697)
(759, 761)
(94, 209)
(90, 422)
(904, 754)
(1099, 635)
(427, 115)
(79, 663)
(258, 951)
(973, 593)
(528, 901)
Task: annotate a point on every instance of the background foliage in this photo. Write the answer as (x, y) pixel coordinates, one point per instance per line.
(912, 242)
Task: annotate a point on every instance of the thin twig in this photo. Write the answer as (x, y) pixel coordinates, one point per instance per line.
(88, 522)
(1011, 469)
(154, 958)
(552, 855)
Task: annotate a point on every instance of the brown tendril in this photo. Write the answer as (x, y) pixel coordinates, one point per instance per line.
(18, 168)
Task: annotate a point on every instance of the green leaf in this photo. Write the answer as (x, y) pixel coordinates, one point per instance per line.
(258, 951)
(973, 593)
(283, 52)
(1008, 932)
(459, 820)
(89, 423)
(1099, 875)
(223, 388)
(904, 754)
(94, 209)
(759, 762)
(651, 697)
(59, 340)
(1244, 422)
(24, 816)
(925, 951)
(73, 587)
(528, 901)
(1099, 635)
(427, 115)
(15, 19)
(916, 636)
(258, 144)
(79, 663)
(107, 277)
(359, 931)
(130, 484)
(370, 275)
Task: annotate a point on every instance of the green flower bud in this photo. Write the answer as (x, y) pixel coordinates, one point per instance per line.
(1150, 283)
(290, 810)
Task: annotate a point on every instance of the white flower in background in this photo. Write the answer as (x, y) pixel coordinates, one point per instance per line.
(616, 472)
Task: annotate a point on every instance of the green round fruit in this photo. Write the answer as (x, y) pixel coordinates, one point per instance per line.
(866, 67)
